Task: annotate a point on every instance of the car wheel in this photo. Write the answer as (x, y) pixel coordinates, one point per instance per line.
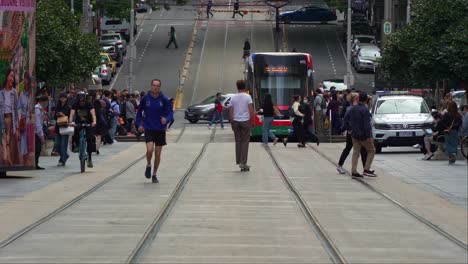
(193, 121)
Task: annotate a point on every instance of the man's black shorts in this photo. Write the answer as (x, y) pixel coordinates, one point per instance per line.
(156, 136)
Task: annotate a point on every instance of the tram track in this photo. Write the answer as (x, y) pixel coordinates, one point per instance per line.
(21, 233)
(407, 210)
(328, 244)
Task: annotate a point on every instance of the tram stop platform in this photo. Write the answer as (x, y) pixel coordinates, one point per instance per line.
(291, 207)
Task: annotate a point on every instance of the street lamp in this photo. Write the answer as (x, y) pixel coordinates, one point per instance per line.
(349, 73)
(132, 46)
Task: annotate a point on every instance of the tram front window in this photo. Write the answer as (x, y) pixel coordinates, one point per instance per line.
(281, 88)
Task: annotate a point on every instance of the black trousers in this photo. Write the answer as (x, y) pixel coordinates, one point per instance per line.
(347, 150)
(298, 132)
(172, 40)
(38, 148)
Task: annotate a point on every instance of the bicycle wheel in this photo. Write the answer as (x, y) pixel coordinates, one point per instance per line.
(464, 147)
(82, 152)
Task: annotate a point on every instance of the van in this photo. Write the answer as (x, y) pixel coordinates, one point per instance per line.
(117, 25)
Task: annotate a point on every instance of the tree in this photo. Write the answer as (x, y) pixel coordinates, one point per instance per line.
(433, 47)
(64, 54)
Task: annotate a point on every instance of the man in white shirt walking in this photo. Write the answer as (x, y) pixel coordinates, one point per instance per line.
(241, 117)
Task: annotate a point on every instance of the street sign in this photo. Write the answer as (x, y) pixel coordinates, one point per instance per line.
(387, 27)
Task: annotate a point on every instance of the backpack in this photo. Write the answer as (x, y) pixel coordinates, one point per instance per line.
(323, 103)
(291, 112)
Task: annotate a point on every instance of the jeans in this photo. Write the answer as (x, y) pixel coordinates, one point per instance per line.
(62, 147)
(451, 142)
(113, 128)
(267, 121)
(217, 116)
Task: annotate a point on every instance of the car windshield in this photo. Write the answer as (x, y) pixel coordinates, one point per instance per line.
(365, 40)
(110, 37)
(370, 53)
(104, 59)
(402, 106)
(211, 99)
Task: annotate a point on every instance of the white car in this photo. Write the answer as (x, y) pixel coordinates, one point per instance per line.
(399, 120)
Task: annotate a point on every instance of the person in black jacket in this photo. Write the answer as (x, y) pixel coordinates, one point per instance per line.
(236, 9)
(246, 49)
(359, 120)
(308, 124)
(62, 109)
(268, 111)
(451, 123)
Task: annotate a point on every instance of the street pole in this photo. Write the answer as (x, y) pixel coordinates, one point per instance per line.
(85, 16)
(349, 73)
(132, 46)
(72, 7)
(408, 12)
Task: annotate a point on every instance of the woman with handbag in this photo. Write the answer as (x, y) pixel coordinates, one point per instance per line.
(26, 127)
(62, 112)
(269, 111)
(450, 124)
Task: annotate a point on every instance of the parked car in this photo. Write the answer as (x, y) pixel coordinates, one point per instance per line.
(122, 26)
(355, 47)
(204, 109)
(338, 83)
(369, 39)
(308, 14)
(142, 8)
(366, 58)
(105, 72)
(106, 59)
(399, 120)
(115, 53)
(459, 98)
(95, 78)
(112, 39)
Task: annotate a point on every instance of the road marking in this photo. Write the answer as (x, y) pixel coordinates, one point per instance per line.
(155, 27)
(224, 56)
(341, 45)
(115, 78)
(197, 76)
(138, 36)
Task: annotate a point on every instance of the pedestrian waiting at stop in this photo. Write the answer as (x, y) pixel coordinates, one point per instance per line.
(236, 9)
(42, 102)
(246, 49)
(172, 38)
(354, 100)
(218, 112)
(157, 112)
(333, 110)
(451, 124)
(430, 136)
(269, 111)
(241, 117)
(296, 114)
(308, 121)
(359, 119)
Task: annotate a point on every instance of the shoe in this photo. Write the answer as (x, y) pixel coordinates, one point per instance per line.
(39, 168)
(115, 141)
(275, 141)
(61, 163)
(285, 142)
(244, 167)
(154, 179)
(209, 126)
(318, 142)
(90, 163)
(54, 153)
(452, 159)
(417, 146)
(300, 145)
(369, 173)
(341, 170)
(148, 172)
(356, 175)
(428, 157)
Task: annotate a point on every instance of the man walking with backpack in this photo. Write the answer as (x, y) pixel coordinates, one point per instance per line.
(359, 120)
(157, 112)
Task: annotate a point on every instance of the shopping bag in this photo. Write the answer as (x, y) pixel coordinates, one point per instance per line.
(66, 131)
(62, 121)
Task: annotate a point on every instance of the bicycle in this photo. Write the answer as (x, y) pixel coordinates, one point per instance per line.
(82, 154)
(464, 147)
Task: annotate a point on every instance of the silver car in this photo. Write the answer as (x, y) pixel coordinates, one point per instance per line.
(399, 120)
(366, 58)
(105, 73)
(112, 39)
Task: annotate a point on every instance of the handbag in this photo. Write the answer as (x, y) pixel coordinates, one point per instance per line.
(276, 111)
(62, 121)
(66, 131)
(22, 124)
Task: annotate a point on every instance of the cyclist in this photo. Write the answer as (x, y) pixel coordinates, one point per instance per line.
(85, 114)
(157, 113)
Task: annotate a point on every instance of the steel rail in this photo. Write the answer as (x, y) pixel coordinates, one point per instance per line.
(65, 206)
(412, 213)
(333, 252)
(153, 229)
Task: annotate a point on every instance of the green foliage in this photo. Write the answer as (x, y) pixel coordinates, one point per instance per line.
(432, 47)
(64, 54)
(116, 8)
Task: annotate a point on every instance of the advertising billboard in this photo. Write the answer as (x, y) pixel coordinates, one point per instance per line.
(17, 64)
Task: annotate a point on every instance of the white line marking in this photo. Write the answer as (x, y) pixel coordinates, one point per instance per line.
(197, 77)
(115, 78)
(341, 45)
(138, 36)
(155, 27)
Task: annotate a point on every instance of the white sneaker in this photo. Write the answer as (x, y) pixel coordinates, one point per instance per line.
(115, 141)
(341, 170)
(417, 146)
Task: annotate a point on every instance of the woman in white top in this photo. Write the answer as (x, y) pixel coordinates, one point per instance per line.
(297, 122)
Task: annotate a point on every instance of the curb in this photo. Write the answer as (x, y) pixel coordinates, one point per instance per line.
(184, 70)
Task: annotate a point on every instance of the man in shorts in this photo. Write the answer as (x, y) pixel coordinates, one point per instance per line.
(156, 111)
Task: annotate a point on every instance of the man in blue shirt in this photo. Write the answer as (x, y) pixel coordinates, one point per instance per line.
(157, 113)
